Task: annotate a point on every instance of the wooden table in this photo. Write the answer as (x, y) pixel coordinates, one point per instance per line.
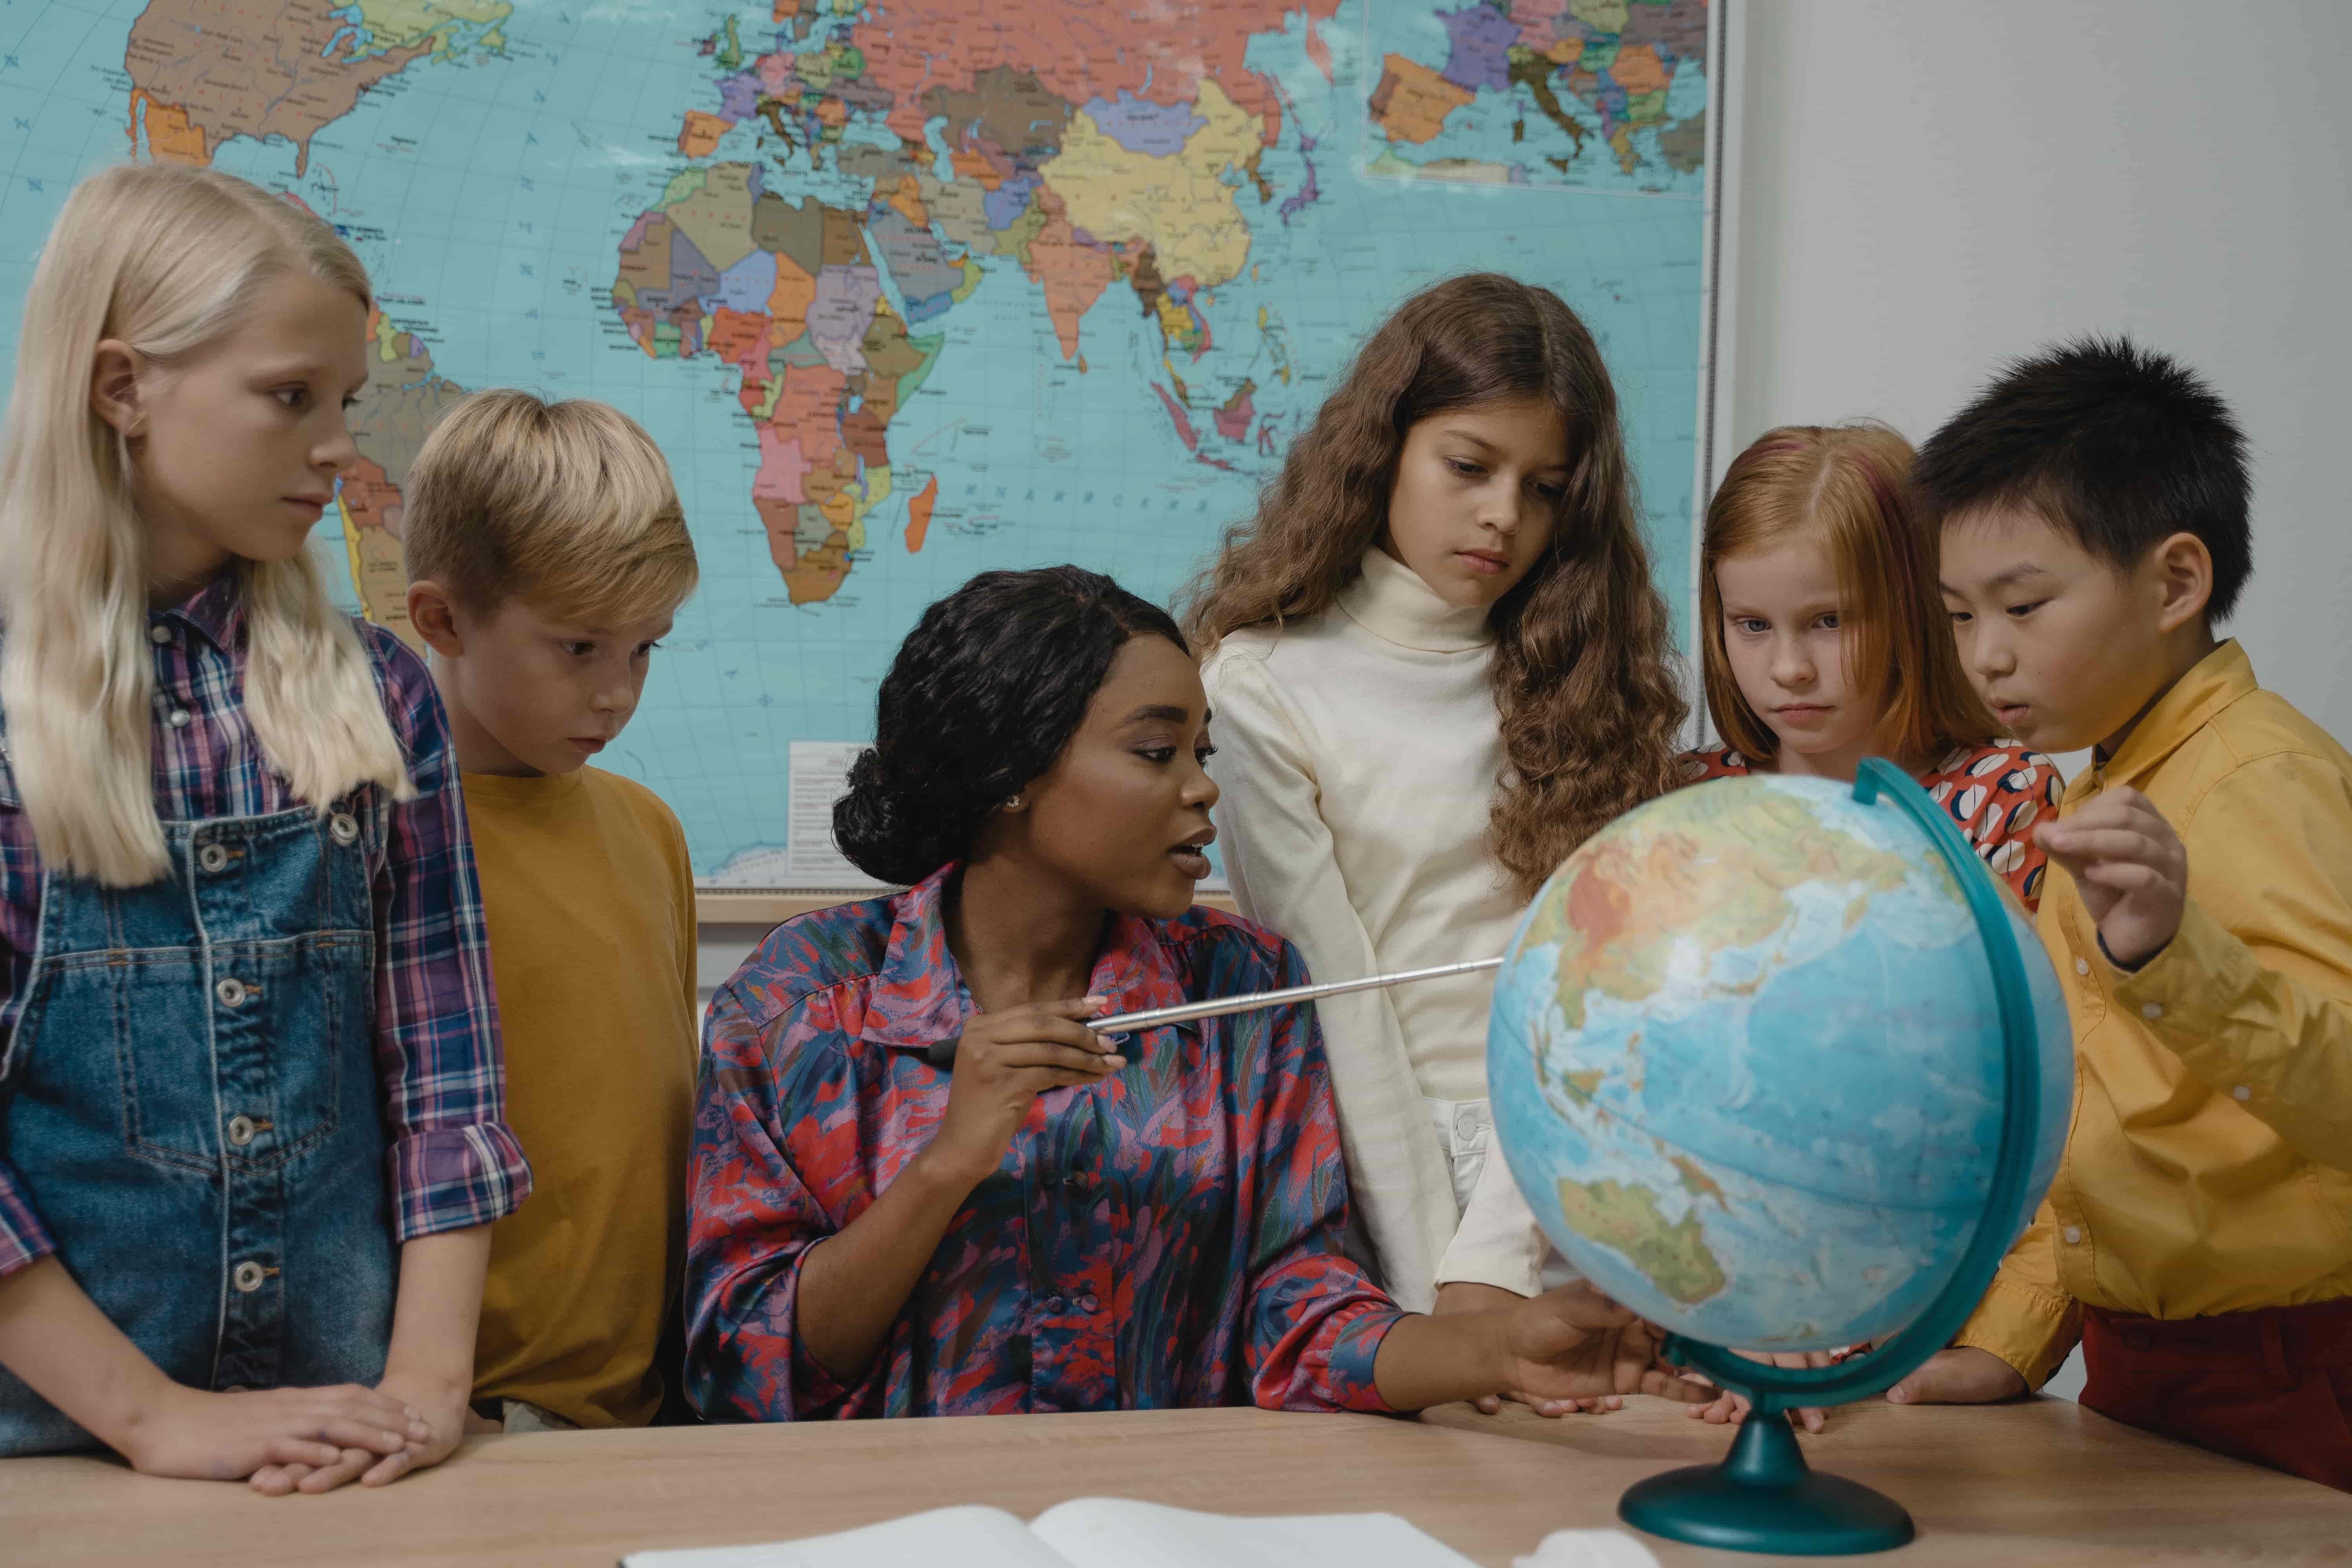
(2042, 1482)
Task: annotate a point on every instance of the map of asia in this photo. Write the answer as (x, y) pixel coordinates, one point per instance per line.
(906, 289)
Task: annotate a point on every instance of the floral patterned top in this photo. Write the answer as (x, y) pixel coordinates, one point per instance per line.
(1170, 1236)
(1995, 793)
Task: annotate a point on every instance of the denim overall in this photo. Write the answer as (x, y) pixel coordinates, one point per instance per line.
(190, 1099)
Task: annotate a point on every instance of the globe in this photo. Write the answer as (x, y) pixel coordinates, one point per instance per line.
(1779, 1065)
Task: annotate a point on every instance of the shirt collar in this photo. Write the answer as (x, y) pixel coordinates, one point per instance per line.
(1391, 602)
(2214, 682)
(920, 997)
(217, 610)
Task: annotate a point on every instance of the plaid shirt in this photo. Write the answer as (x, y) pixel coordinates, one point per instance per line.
(452, 1161)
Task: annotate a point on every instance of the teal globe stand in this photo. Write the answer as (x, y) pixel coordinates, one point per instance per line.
(1764, 1497)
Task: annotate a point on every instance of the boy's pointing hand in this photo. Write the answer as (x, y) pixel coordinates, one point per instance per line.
(2130, 868)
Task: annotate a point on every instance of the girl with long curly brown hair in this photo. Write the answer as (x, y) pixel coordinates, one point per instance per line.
(1438, 664)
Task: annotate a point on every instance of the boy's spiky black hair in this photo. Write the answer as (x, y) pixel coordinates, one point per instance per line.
(2118, 445)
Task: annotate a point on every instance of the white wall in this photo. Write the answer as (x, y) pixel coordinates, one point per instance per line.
(1927, 188)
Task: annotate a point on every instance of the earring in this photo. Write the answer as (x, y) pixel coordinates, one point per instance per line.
(1011, 802)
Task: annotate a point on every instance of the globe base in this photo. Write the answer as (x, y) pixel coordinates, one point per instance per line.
(1765, 1497)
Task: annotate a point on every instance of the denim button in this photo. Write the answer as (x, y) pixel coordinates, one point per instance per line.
(159, 633)
(231, 992)
(241, 1130)
(247, 1277)
(1465, 1125)
(213, 857)
(345, 827)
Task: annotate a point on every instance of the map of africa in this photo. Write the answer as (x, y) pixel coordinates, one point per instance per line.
(904, 290)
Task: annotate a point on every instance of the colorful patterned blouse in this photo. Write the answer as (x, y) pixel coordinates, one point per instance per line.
(1994, 792)
(1170, 1237)
(454, 1162)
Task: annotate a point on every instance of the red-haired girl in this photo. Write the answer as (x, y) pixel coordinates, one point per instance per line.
(1826, 641)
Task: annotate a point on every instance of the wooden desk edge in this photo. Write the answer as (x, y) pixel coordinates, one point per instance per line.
(2041, 1481)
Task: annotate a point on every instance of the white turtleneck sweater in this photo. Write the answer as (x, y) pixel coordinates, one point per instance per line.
(1358, 755)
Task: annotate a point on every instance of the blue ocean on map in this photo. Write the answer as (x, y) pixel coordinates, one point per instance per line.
(541, 191)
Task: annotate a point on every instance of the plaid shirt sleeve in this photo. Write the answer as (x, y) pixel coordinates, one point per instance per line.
(24, 1240)
(454, 1162)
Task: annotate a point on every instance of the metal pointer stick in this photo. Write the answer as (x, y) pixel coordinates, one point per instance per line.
(942, 1055)
(1128, 1023)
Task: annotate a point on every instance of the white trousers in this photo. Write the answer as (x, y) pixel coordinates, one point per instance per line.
(1465, 1135)
(1465, 1128)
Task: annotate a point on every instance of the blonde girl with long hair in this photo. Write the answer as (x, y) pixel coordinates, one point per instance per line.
(251, 1136)
(1438, 664)
(1825, 640)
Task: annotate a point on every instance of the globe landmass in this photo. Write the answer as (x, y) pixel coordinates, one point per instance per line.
(1745, 1060)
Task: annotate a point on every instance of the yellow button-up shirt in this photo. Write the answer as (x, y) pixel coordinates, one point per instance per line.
(2208, 1168)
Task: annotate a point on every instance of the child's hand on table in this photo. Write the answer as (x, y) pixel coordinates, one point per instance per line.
(1965, 1375)
(441, 1410)
(1733, 1406)
(444, 1407)
(2130, 868)
(195, 1434)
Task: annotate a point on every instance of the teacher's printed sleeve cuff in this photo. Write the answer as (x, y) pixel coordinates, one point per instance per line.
(24, 1239)
(1333, 1370)
(815, 1390)
(745, 1358)
(2030, 1328)
(452, 1178)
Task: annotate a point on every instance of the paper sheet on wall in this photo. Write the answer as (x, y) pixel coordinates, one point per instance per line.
(819, 776)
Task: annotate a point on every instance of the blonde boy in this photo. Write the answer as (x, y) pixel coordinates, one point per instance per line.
(546, 552)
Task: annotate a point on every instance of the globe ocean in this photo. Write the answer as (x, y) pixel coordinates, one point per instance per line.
(1745, 1060)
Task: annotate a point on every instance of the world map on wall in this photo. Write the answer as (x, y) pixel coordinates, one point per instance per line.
(906, 289)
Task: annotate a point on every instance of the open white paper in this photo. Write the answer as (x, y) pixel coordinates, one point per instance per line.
(1092, 1532)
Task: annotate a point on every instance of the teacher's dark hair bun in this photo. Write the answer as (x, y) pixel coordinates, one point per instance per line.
(982, 697)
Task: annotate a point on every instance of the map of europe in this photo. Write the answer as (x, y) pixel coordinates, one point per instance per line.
(906, 289)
